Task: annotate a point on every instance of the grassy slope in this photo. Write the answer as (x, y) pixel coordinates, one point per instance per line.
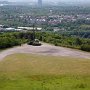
(33, 72)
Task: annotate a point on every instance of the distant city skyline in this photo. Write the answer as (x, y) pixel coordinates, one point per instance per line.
(39, 3)
(52, 2)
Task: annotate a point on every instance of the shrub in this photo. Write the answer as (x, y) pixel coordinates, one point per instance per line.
(85, 48)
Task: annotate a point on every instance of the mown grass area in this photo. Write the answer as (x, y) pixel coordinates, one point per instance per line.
(34, 72)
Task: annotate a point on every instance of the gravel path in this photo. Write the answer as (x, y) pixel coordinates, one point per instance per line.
(45, 49)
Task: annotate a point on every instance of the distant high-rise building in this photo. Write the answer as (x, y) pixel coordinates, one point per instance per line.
(40, 3)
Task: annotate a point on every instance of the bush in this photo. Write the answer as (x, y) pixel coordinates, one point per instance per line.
(85, 48)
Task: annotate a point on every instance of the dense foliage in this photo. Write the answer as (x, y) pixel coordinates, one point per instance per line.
(10, 39)
(18, 38)
(65, 41)
(85, 48)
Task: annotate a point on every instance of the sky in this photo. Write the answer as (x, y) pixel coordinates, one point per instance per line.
(80, 1)
(51, 0)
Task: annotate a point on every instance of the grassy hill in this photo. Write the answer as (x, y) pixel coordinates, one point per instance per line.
(34, 72)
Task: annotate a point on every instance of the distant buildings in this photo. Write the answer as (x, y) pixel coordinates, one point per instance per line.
(3, 28)
(30, 28)
(39, 3)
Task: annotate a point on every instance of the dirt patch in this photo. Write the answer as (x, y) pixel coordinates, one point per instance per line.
(45, 49)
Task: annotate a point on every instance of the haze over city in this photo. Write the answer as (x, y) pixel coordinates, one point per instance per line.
(49, 0)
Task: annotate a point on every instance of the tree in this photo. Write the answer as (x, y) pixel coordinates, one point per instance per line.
(78, 41)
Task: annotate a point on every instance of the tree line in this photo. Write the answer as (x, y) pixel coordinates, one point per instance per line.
(10, 39)
(65, 41)
(17, 38)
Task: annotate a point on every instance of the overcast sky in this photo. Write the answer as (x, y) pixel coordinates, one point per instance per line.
(52, 0)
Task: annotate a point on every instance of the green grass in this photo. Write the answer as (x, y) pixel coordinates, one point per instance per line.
(85, 26)
(34, 72)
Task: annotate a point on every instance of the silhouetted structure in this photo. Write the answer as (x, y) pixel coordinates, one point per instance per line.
(40, 3)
